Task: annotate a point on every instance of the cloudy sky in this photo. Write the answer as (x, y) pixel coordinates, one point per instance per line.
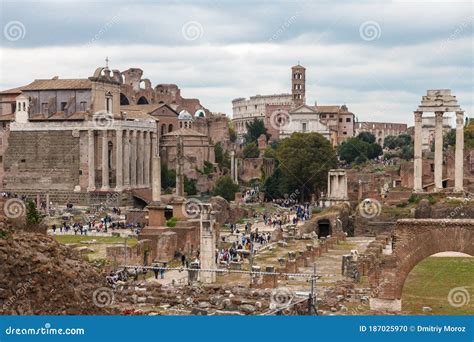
(377, 57)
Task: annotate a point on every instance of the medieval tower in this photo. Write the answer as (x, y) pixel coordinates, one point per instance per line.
(298, 86)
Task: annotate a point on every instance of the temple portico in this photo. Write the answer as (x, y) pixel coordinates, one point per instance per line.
(439, 102)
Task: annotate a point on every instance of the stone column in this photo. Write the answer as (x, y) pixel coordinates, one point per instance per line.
(119, 163)
(133, 160)
(329, 189)
(156, 170)
(91, 159)
(47, 203)
(126, 160)
(140, 154)
(105, 162)
(417, 161)
(236, 168)
(459, 154)
(438, 157)
(232, 165)
(146, 170)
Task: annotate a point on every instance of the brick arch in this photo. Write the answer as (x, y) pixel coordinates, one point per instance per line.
(414, 240)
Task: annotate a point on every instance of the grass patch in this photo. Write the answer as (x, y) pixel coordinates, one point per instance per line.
(110, 240)
(429, 283)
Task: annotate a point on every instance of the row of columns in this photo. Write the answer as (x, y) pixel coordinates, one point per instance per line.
(133, 155)
(438, 158)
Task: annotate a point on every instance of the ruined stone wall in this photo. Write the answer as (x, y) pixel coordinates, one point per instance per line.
(138, 254)
(46, 160)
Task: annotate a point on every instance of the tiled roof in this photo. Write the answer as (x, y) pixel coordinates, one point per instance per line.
(59, 84)
(16, 90)
(327, 109)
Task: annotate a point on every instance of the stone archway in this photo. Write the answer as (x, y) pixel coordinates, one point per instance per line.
(412, 241)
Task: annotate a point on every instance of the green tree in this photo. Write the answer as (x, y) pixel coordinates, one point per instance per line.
(222, 156)
(304, 160)
(407, 152)
(33, 216)
(390, 142)
(367, 137)
(226, 188)
(469, 135)
(251, 151)
(273, 186)
(254, 130)
(168, 177)
(358, 150)
(208, 168)
(190, 186)
(232, 134)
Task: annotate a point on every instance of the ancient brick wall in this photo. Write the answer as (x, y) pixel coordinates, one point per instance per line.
(42, 160)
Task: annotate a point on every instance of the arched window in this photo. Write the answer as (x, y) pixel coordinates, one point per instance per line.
(170, 128)
(163, 129)
(124, 100)
(142, 100)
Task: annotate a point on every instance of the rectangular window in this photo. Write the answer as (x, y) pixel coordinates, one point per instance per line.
(323, 116)
(303, 127)
(108, 104)
(331, 116)
(348, 119)
(340, 119)
(63, 106)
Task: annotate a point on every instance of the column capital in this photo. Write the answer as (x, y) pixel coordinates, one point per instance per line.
(439, 116)
(418, 115)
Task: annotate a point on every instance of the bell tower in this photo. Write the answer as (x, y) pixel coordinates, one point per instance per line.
(298, 85)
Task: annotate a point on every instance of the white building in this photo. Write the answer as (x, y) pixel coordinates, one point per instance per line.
(305, 119)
